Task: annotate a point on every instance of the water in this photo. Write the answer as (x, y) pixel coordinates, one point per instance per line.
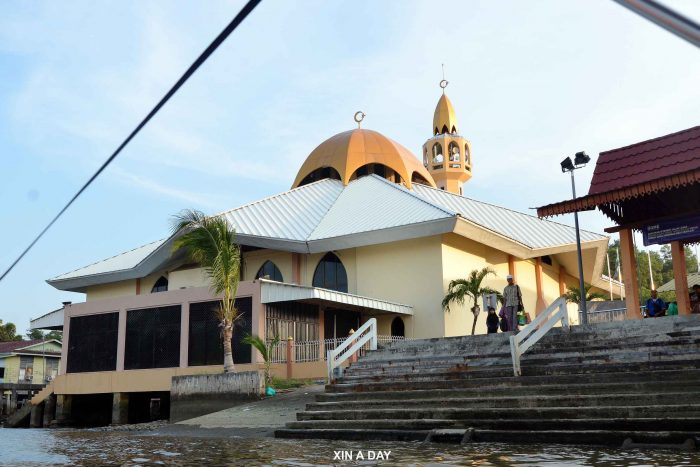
(93, 448)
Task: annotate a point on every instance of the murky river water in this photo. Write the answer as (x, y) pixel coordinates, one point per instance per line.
(89, 448)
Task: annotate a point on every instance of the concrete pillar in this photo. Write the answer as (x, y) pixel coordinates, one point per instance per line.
(184, 334)
(511, 268)
(120, 408)
(290, 356)
(49, 410)
(13, 402)
(541, 304)
(64, 409)
(680, 277)
(121, 339)
(628, 260)
(36, 416)
(353, 357)
(562, 280)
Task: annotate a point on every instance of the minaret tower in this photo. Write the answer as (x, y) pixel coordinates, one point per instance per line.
(447, 155)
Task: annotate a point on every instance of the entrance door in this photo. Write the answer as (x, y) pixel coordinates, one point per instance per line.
(337, 323)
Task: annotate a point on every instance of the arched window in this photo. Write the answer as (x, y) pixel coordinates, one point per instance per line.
(467, 156)
(453, 149)
(330, 274)
(397, 327)
(425, 157)
(161, 285)
(320, 174)
(437, 153)
(418, 178)
(269, 270)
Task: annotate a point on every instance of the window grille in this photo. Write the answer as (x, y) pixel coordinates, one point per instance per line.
(92, 343)
(152, 338)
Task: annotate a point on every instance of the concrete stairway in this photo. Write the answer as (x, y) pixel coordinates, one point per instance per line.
(598, 384)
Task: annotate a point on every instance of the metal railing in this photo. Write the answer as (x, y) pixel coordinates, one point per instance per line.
(607, 316)
(309, 351)
(533, 332)
(366, 333)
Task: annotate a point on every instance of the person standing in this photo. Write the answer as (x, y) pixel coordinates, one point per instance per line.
(512, 298)
(492, 321)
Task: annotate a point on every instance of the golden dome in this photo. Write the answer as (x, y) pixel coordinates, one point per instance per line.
(351, 150)
(444, 119)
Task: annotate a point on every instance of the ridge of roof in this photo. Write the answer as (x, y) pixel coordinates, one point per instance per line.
(162, 240)
(11, 346)
(324, 181)
(629, 146)
(403, 189)
(530, 216)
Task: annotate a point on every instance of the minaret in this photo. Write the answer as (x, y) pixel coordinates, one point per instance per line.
(447, 155)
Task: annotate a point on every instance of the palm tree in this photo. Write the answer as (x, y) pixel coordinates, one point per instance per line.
(211, 242)
(459, 290)
(265, 349)
(573, 295)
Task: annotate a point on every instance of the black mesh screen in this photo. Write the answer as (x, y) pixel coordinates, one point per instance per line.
(152, 338)
(205, 347)
(92, 343)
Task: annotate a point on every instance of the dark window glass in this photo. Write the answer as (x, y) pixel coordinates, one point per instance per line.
(161, 285)
(2, 372)
(205, 346)
(330, 274)
(152, 338)
(92, 343)
(270, 270)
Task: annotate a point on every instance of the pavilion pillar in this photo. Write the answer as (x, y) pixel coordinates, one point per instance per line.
(541, 304)
(680, 277)
(511, 268)
(629, 274)
(562, 281)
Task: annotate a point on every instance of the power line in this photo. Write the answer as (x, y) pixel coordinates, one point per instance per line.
(245, 11)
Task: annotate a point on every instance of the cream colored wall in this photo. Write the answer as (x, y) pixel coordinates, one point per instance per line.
(184, 278)
(254, 260)
(11, 369)
(114, 289)
(459, 257)
(408, 272)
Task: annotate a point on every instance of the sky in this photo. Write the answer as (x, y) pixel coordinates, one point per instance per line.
(531, 82)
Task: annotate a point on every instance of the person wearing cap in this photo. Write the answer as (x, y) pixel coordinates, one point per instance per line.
(511, 299)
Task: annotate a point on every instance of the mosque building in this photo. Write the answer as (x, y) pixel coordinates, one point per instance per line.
(366, 230)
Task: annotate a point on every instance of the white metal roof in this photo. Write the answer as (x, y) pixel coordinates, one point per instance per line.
(531, 231)
(120, 262)
(271, 292)
(51, 320)
(326, 215)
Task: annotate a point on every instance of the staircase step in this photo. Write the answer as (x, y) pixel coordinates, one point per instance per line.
(449, 413)
(523, 425)
(453, 380)
(577, 437)
(641, 387)
(507, 400)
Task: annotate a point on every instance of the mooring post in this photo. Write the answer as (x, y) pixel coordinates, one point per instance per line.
(290, 356)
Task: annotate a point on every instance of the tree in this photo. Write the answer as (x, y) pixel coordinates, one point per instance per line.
(459, 290)
(265, 349)
(37, 334)
(211, 242)
(573, 295)
(8, 332)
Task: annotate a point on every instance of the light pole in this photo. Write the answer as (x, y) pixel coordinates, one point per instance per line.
(580, 160)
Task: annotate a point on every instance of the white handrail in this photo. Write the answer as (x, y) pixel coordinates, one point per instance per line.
(521, 342)
(366, 332)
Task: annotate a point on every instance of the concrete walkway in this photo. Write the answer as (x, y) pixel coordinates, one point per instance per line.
(256, 419)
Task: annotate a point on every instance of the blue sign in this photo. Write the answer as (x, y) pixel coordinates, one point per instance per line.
(670, 231)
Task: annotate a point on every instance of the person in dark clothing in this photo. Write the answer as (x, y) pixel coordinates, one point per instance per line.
(492, 321)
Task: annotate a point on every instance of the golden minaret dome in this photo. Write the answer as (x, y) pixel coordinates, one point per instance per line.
(444, 118)
(352, 154)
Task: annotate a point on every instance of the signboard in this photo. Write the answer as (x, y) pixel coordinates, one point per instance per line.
(669, 231)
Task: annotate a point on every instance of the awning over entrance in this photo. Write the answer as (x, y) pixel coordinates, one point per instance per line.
(51, 321)
(272, 292)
